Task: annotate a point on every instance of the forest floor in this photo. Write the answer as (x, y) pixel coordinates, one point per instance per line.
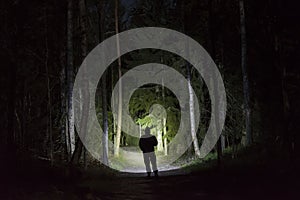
(131, 160)
(36, 180)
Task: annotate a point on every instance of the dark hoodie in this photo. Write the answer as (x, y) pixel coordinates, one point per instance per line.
(147, 143)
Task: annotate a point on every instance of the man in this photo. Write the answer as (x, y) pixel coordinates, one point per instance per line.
(147, 143)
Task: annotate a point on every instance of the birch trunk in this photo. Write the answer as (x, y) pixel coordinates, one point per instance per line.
(160, 147)
(165, 146)
(119, 122)
(164, 120)
(191, 97)
(70, 133)
(192, 113)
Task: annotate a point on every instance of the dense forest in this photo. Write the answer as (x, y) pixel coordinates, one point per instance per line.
(45, 147)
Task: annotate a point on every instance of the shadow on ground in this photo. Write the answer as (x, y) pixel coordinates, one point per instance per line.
(36, 180)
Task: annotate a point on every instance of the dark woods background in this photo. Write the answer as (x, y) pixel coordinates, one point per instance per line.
(38, 67)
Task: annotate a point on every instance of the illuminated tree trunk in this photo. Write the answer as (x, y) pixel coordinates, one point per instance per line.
(191, 97)
(105, 121)
(85, 87)
(192, 113)
(140, 130)
(119, 122)
(245, 74)
(159, 128)
(165, 138)
(166, 146)
(164, 121)
(104, 91)
(160, 146)
(70, 133)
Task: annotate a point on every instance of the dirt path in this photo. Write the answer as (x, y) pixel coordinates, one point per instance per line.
(239, 183)
(178, 184)
(169, 185)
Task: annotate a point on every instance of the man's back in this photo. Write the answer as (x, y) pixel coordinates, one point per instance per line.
(147, 143)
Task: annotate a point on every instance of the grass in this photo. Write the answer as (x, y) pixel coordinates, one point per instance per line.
(246, 157)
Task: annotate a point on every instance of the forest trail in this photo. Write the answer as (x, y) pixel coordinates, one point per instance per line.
(179, 184)
(174, 184)
(234, 184)
(132, 161)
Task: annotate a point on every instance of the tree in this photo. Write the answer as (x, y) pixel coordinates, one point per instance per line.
(85, 87)
(215, 84)
(70, 134)
(119, 120)
(49, 128)
(159, 126)
(164, 120)
(192, 112)
(104, 92)
(246, 88)
(191, 97)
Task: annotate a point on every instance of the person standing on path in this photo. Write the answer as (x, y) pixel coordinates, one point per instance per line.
(146, 144)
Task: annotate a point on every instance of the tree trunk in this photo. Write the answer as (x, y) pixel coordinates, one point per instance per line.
(223, 142)
(160, 146)
(191, 97)
(104, 91)
(164, 121)
(166, 146)
(119, 122)
(70, 134)
(105, 121)
(192, 113)
(63, 113)
(85, 88)
(49, 105)
(246, 88)
(214, 83)
(159, 128)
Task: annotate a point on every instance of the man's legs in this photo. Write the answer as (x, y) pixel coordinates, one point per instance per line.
(147, 163)
(153, 162)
